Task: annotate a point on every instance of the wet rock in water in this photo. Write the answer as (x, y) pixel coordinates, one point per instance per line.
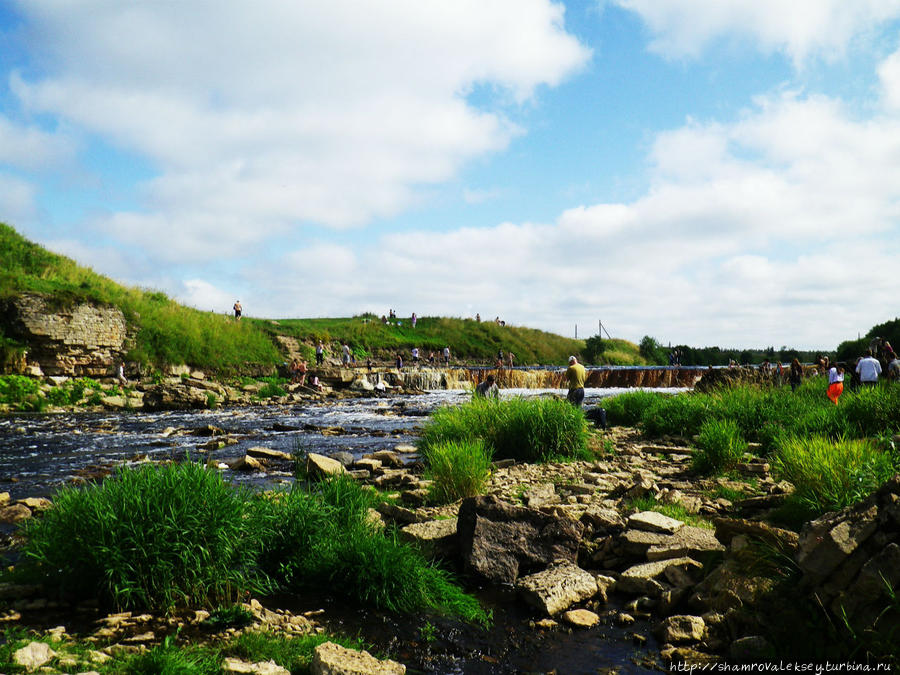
(681, 628)
(36, 504)
(498, 541)
(435, 538)
(387, 458)
(247, 464)
(405, 449)
(332, 659)
(651, 521)
(581, 618)
(343, 457)
(33, 655)
(557, 588)
(14, 513)
(208, 430)
(261, 452)
(320, 466)
(237, 666)
(278, 426)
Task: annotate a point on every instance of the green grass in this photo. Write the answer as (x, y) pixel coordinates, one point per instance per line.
(154, 537)
(828, 475)
(676, 511)
(458, 468)
(719, 446)
(177, 536)
(525, 429)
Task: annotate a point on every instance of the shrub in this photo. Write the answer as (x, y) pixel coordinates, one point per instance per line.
(872, 410)
(829, 475)
(680, 415)
(719, 446)
(629, 408)
(155, 537)
(458, 468)
(535, 429)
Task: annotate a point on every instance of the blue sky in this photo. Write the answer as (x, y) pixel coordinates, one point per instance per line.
(703, 172)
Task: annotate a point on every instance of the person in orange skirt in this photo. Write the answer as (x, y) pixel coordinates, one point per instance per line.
(835, 383)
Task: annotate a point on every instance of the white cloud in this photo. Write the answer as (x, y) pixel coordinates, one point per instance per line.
(17, 199)
(28, 147)
(273, 115)
(799, 28)
(780, 228)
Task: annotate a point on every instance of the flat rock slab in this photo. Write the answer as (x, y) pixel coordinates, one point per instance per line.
(233, 665)
(651, 521)
(435, 538)
(557, 588)
(648, 578)
(268, 453)
(688, 541)
(332, 659)
(33, 655)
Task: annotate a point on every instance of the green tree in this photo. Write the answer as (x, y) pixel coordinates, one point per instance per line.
(593, 349)
(651, 350)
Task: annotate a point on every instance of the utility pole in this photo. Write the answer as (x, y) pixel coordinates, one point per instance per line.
(576, 331)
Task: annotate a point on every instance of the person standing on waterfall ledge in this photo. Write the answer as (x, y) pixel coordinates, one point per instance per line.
(575, 375)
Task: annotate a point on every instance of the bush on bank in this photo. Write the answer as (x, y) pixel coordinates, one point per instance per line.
(160, 537)
(457, 468)
(525, 429)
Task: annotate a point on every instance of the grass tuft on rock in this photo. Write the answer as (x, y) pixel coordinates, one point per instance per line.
(458, 469)
(720, 446)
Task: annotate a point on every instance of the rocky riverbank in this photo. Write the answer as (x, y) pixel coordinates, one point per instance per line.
(583, 545)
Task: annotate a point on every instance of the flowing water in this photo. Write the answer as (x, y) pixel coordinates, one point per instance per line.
(41, 453)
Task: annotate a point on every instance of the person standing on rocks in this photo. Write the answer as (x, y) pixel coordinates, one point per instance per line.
(345, 357)
(447, 355)
(415, 355)
(868, 370)
(238, 310)
(120, 374)
(575, 376)
(320, 353)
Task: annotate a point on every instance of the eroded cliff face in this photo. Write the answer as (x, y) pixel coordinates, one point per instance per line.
(78, 340)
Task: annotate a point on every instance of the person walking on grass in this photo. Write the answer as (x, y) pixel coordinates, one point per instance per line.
(868, 370)
(795, 377)
(835, 383)
(575, 376)
(238, 310)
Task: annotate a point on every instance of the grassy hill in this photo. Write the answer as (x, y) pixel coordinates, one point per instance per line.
(166, 332)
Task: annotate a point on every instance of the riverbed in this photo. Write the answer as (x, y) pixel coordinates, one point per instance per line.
(41, 453)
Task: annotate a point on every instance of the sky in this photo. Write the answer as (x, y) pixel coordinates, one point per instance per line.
(703, 172)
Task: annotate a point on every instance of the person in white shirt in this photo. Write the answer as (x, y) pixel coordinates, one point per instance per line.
(868, 370)
(835, 383)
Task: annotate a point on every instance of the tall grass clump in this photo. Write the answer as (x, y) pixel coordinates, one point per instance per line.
(720, 446)
(155, 537)
(325, 539)
(828, 475)
(628, 409)
(871, 411)
(526, 429)
(680, 415)
(457, 468)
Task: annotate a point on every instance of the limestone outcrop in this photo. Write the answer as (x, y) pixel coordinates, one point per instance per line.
(78, 340)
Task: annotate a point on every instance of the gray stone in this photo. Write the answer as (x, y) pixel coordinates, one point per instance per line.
(827, 541)
(15, 513)
(647, 578)
(246, 463)
(234, 665)
(688, 541)
(557, 588)
(387, 458)
(499, 541)
(435, 538)
(540, 495)
(604, 521)
(318, 466)
(651, 521)
(33, 655)
(682, 628)
(268, 453)
(332, 659)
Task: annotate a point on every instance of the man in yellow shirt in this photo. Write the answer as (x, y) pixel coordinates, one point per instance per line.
(575, 375)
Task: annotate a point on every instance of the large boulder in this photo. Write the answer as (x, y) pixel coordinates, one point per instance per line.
(165, 396)
(499, 541)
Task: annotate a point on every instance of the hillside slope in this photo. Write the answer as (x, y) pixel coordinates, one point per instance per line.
(165, 332)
